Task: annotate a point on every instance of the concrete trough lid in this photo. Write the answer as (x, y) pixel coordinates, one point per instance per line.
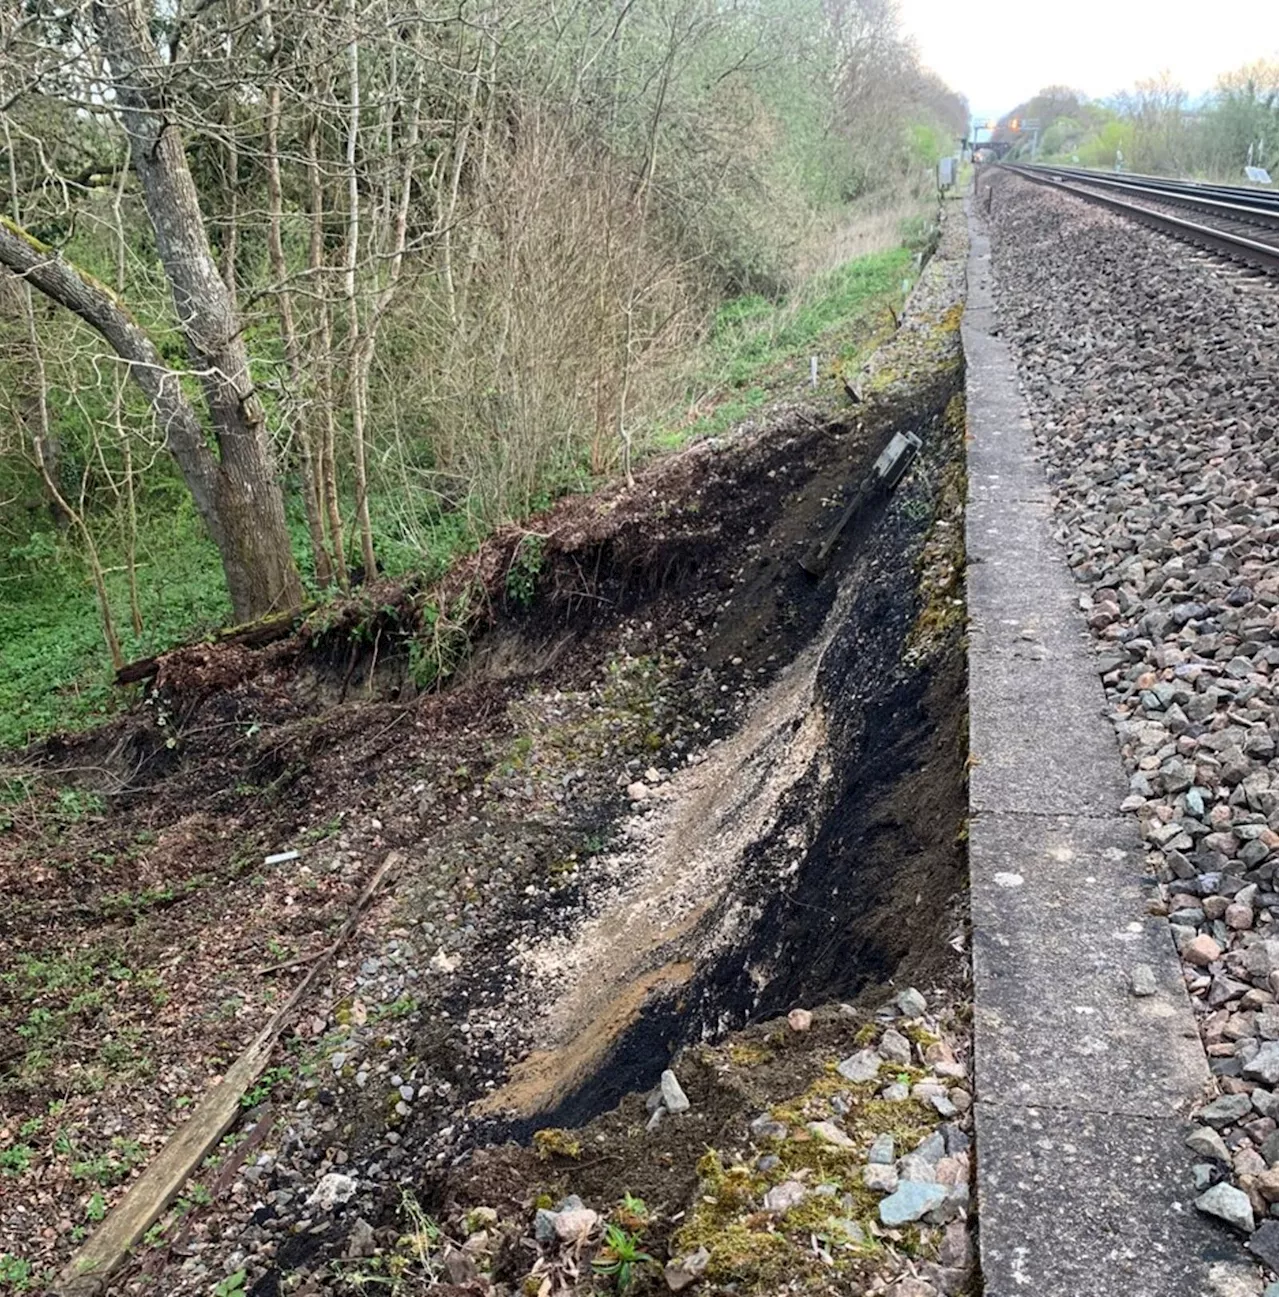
(1081, 1089)
(896, 458)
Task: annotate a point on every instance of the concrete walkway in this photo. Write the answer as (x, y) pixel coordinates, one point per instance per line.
(1084, 1183)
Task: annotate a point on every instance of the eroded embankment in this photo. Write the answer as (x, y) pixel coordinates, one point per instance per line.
(810, 853)
(801, 860)
(679, 788)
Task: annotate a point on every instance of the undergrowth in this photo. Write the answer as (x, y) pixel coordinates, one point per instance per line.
(55, 672)
(756, 346)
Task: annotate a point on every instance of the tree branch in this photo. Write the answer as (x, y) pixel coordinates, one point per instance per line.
(49, 273)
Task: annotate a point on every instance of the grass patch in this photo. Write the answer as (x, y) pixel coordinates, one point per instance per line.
(756, 345)
(61, 1003)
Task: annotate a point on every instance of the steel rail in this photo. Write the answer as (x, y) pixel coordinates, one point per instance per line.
(1235, 247)
(1240, 212)
(1262, 200)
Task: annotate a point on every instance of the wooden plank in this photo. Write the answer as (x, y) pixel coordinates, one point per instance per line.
(151, 1193)
(88, 1272)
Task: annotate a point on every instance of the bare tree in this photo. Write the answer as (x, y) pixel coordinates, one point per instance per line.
(235, 489)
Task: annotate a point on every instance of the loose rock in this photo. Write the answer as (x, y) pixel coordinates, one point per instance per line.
(911, 1201)
(1228, 1203)
(799, 1019)
(673, 1097)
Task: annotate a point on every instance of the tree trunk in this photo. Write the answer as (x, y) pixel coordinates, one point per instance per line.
(322, 351)
(357, 372)
(247, 500)
(289, 336)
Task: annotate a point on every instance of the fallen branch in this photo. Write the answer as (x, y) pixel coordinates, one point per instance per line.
(254, 634)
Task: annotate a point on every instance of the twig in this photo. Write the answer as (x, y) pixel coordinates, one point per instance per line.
(317, 961)
(280, 968)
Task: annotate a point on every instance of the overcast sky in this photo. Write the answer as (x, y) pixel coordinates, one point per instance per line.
(1000, 52)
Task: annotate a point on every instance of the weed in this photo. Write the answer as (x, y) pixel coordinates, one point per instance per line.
(403, 1007)
(15, 1159)
(109, 1168)
(622, 1257)
(76, 805)
(232, 1285)
(632, 1213)
(318, 832)
(423, 1235)
(75, 979)
(96, 1208)
(15, 1273)
(443, 641)
(262, 1088)
(526, 565)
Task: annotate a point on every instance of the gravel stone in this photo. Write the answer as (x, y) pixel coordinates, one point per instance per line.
(1222, 1112)
(575, 1223)
(782, 1197)
(674, 1098)
(829, 1134)
(882, 1179)
(881, 1150)
(1202, 951)
(912, 1200)
(1206, 1142)
(895, 1047)
(862, 1066)
(1227, 1203)
(1264, 1066)
(765, 1127)
(332, 1190)
(1264, 1242)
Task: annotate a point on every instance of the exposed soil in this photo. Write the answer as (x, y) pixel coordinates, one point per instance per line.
(553, 937)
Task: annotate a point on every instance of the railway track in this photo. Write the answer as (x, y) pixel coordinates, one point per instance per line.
(1232, 222)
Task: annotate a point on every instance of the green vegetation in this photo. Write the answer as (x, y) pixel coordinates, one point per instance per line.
(261, 1089)
(16, 1274)
(64, 997)
(755, 343)
(1156, 128)
(15, 1159)
(551, 1142)
(622, 1258)
(522, 575)
(232, 1285)
(624, 235)
(755, 1250)
(55, 669)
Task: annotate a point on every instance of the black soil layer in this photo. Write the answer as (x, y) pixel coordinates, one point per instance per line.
(638, 629)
